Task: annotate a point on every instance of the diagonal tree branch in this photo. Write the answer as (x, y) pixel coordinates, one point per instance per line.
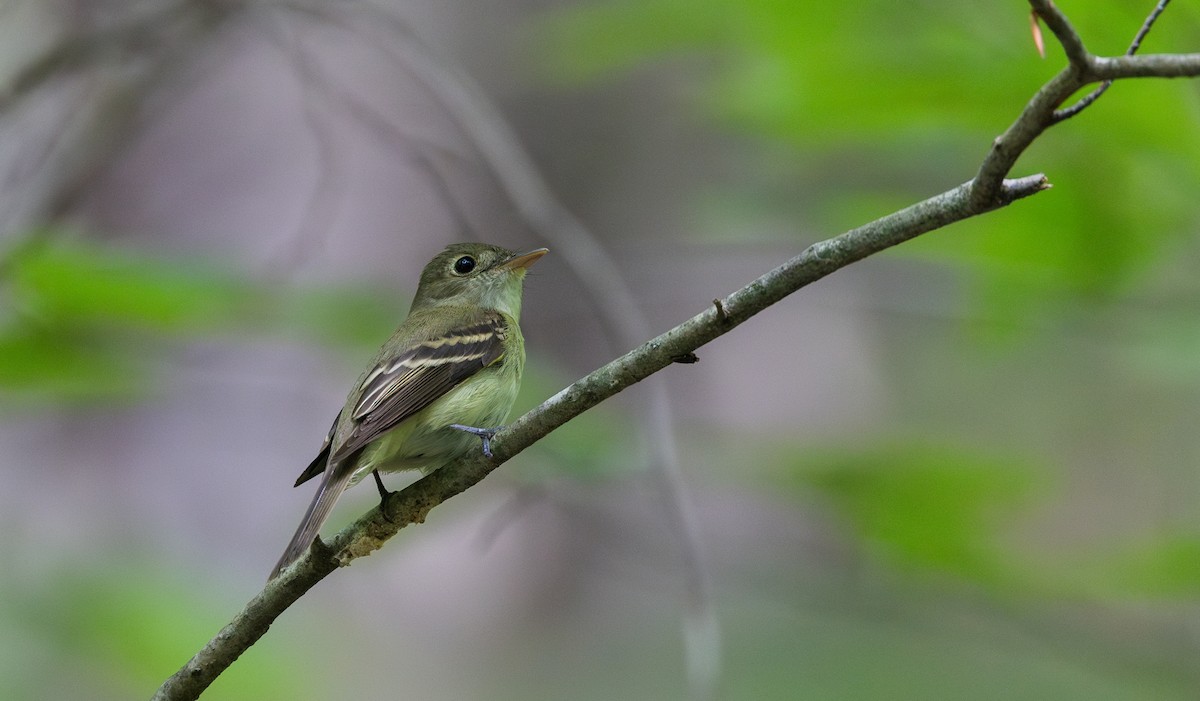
(413, 504)
(989, 190)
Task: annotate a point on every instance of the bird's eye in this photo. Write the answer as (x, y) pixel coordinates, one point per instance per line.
(464, 265)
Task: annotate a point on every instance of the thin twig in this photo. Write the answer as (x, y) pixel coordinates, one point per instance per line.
(109, 45)
(1083, 103)
(1146, 26)
(1084, 68)
(1058, 23)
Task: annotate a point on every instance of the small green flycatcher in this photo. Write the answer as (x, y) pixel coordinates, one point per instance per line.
(449, 373)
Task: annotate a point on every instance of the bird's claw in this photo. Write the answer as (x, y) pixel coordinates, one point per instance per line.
(487, 434)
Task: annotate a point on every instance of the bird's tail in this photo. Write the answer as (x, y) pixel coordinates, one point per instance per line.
(333, 483)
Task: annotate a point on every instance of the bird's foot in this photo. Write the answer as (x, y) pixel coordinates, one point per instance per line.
(383, 491)
(487, 434)
(383, 494)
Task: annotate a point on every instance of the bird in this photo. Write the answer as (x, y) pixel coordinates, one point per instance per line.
(447, 377)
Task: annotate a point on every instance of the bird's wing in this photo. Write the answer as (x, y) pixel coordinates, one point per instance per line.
(400, 386)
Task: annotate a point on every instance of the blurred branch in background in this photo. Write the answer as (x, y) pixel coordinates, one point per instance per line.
(105, 70)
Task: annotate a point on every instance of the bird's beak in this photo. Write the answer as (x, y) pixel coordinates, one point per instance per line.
(524, 260)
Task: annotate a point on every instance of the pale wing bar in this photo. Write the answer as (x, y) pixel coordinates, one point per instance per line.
(406, 384)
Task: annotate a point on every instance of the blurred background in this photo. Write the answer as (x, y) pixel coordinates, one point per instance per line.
(966, 468)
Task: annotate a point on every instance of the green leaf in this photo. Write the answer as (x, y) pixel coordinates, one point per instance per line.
(84, 318)
(1166, 568)
(79, 284)
(116, 633)
(59, 366)
(925, 506)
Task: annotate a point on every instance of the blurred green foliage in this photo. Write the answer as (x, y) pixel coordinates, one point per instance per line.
(78, 310)
(932, 509)
(888, 116)
(113, 631)
(86, 286)
(926, 506)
